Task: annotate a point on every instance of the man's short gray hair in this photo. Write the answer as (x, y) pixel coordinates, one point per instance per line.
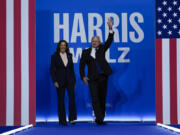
(96, 37)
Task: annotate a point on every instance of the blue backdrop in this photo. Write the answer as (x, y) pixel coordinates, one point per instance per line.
(131, 87)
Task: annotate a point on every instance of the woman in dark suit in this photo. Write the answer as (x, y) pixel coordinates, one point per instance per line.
(63, 76)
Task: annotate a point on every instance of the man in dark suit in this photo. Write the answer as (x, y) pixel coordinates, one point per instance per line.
(98, 72)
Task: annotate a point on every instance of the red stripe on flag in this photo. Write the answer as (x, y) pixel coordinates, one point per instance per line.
(159, 104)
(173, 82)
(17, 62)
(32, 78)
(2, 62)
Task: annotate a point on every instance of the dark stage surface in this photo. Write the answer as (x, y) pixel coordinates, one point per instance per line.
(90, 128)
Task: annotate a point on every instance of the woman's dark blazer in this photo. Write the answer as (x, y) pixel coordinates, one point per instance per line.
(60, 73)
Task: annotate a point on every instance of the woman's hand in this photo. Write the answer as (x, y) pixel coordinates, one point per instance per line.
(74, 85)
(56, 84)
(85, 80)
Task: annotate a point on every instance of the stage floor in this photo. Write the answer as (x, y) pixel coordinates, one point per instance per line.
(89, 128)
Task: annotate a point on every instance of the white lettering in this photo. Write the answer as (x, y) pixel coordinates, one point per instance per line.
(125, 51)
(136, 27)
(92, 27)
(58, 26)
(77, 55)
(78, 21)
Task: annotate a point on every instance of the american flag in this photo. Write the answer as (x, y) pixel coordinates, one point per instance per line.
(17, 62)
(168, 61)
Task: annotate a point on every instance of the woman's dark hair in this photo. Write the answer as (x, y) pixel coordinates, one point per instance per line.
(59, 44)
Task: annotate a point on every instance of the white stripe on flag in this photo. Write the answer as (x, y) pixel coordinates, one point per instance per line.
(166, 81)
(178, 79)
(24, 62)
(10, 62)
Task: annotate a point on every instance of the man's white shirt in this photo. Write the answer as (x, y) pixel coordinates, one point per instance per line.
(93, 52)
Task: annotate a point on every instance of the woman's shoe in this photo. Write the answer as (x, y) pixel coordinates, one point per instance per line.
(72, 122)
(63, 123)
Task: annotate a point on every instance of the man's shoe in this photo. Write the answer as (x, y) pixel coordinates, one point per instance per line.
(103, 123)
(100, 122)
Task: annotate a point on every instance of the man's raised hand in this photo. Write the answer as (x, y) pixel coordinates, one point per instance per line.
(110, 23)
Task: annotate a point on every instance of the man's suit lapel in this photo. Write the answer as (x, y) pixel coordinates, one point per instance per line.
(90, 49)
(89, 53)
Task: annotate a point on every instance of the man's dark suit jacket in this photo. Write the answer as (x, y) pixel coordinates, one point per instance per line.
(59, 72)
(86, 58)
